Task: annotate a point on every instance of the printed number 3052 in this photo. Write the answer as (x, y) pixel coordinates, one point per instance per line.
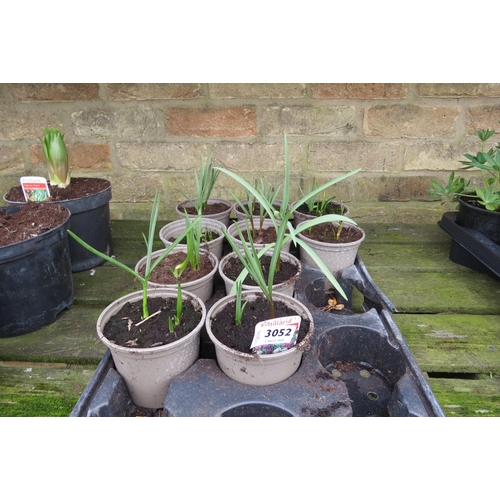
(282, 332)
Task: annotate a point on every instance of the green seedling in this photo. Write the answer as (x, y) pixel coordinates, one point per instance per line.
(239, 307)
(205, 180)
(150, 266)
(56, 157)
(317, 207)
(284, 230)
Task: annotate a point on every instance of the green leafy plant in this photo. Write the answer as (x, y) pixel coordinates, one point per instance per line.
(205, 180)
(316, 206)
(239, 306)
(488, 163)
(270, 193)
(193, 242)
(150, 265)
(56, 157)
(285, 232)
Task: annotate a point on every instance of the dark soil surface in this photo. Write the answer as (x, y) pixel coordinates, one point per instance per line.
(256, 209)
(79, 187)
(30, 220)
(233, 268)
(121, 328)
(332, 207)
(206, 237)
(326, 233)
(263, 237)
(212, 208)
(240, 337)
(475, 203)
(163, 272)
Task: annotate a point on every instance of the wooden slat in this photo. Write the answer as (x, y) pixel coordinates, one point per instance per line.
(437, 292)
(403, 256)
(453, 343)
(467, 398)
(428, 234)
(71, 339)
(448, 314)
(102, 286)
(28, 389)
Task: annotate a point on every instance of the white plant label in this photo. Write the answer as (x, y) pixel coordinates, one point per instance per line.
(275, 335)
(35, 188)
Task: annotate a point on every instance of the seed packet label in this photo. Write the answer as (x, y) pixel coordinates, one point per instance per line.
(35, 188)
(275, 335)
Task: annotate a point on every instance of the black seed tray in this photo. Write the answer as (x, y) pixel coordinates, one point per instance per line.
(358, 364)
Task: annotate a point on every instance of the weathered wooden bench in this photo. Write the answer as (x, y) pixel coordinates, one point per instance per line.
(448, 314)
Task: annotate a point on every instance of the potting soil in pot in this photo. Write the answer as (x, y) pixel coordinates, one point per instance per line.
(332, 208)
(233, 268)
(79, 187)
(326, 233)
(239, 337)
(267, 235)
(163, 271)
(31, 220)
(127, 329)
(212, 208)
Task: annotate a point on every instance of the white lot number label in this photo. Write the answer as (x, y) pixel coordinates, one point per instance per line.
(275, 335)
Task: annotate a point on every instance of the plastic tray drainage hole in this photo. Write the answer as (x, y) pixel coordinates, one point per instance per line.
(372, 396)
(364, 373)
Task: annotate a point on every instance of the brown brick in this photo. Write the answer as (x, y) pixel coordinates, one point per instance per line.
(435, 156)
(359, 90)
(257, 90)
(459, 89)
(26, 92)
(136, 122)
(334, 121)
(15, 124)
(145, 91)
(212, 122)
(184, 156)
(137, 188)
(257, 157)
(84, 157)
(347, 156)
(483, 117)
(398, 121)
(11, 160)
(401, 188)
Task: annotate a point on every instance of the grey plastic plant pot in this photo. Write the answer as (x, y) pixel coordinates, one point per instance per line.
(232, 232)
(175, 229)
(254, 369)
(90, 220)
(35, 281)
(336, 256)
(286, 287)
(299, 217)
(221, 216)
(148, 372)
(202, 287)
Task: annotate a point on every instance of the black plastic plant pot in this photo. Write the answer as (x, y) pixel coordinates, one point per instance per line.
(357, 365)
(485, 222)
(470, 248)
(36, 282)
(90, 220)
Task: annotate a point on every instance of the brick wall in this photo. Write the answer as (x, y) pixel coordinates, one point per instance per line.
(148, 136)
